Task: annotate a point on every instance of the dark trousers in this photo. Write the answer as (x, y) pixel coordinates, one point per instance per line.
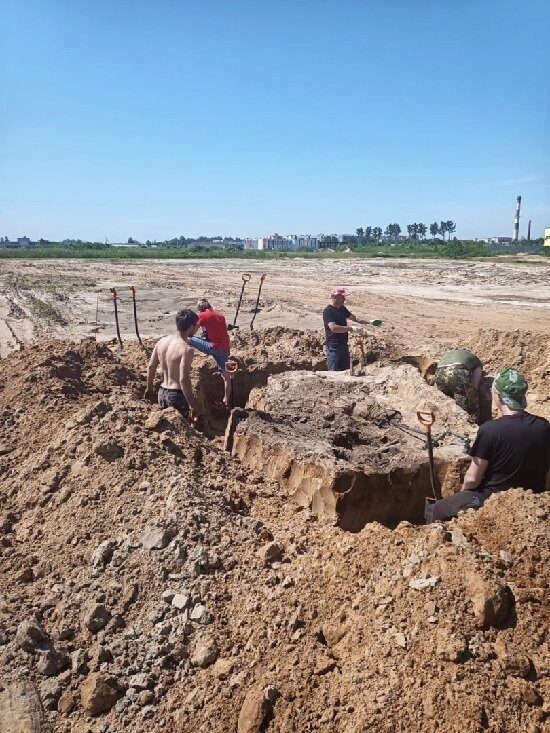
(173, 398)
(338, 359)
(449, 507)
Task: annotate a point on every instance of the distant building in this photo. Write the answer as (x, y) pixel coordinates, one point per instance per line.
(547, 237)
(274, 242)
(498, 240)
(21, 242)
(302, 241)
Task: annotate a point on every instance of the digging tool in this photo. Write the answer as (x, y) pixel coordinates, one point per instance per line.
(427, 419)
(262, 278)
(113, 291)
(232, 367)
(246, 278)
(132, 288)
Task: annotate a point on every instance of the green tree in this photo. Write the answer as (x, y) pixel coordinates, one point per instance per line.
(412, 231)
(434, 229)
(422, 230)
(451, 227)
(360, 233)
(393, 231)
(443, 228)
(368, 234)
(376, 233)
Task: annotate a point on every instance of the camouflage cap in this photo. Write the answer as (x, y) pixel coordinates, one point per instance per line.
(511, 386)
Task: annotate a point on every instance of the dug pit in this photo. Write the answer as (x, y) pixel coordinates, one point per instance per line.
(350, 447)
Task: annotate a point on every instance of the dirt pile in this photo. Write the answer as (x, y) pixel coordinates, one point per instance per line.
(351, 447)
(152, 582)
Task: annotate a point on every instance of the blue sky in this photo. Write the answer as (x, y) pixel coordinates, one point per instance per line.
(152, 120)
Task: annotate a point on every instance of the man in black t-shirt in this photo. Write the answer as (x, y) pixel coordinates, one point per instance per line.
(510, 452)
(335, 320)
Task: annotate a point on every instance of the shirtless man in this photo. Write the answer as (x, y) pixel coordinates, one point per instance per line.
(175, 354)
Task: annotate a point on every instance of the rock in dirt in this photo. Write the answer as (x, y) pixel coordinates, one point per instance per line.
(67, 703)
(205, 653)
(492, 600)
(96, 617)
(102, 555)
(272, 552)
(254, 710)
(50, 692)
(30, 635)
(51, 662)
(155, 538)
(98, 693)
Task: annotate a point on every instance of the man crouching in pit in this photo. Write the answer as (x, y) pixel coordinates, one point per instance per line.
(174, 354)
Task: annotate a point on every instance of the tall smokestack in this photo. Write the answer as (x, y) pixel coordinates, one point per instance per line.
(515, 238)
(529, 231)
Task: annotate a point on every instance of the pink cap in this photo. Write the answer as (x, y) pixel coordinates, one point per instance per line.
(339, 291)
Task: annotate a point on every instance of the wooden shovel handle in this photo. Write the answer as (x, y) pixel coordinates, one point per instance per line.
(426, 419)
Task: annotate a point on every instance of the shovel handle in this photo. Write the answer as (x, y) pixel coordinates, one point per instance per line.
(133, 290)
(232, 366)
(113, 291)
(426, 419)
(263, 277)
(246, 277)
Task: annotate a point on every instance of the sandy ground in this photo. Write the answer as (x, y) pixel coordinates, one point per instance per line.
(422, 302)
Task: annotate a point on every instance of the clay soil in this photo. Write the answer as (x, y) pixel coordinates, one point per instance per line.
(152, 580)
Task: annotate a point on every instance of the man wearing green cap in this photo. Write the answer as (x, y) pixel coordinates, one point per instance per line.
(458, 375)
(512, 451)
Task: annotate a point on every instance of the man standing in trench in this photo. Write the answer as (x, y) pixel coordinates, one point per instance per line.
(174, 354)
(512, 451)
(458, 375)
(335, 320)
(216, 341)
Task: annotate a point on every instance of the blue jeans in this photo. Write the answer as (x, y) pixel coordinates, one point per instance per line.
(338, 359)
(206, 347)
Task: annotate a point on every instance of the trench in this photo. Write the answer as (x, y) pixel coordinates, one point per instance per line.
(340, 486)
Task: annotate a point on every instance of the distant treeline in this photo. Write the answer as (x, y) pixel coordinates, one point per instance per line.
(454, 249)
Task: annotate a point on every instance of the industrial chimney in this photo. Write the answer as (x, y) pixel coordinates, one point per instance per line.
(515, 238)
(529, 231)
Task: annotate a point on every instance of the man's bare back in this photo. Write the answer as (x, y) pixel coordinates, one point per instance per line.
(174, 357)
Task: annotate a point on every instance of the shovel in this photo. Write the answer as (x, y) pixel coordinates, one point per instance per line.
(263, 277)
(135, 316)
(427, 419)
(246, 278)
(232, 367)
(119, 350)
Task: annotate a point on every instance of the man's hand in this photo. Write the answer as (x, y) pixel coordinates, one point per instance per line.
(149, 394)
(357, 329)
(376, 322)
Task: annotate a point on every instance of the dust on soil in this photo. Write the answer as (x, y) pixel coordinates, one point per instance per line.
(152, 582)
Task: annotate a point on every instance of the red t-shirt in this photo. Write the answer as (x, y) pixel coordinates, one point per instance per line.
(216, 328)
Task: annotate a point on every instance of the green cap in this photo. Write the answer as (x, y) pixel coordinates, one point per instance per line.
(511, 386)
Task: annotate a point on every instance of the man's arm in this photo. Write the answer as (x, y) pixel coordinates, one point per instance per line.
(365, 321)
(475, 473)
(335, 328)
(185, 380)
(151, 371)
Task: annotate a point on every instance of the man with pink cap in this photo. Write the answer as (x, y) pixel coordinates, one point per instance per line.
(335, 319)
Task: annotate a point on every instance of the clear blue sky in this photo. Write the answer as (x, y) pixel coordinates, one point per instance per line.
(151, 119)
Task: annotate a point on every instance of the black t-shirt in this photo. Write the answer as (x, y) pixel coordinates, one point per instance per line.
(518, 450)
(340, 316)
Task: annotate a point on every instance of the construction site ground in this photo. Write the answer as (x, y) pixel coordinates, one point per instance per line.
(271, 573)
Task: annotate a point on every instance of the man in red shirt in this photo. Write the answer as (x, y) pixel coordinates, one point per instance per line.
(216, 341)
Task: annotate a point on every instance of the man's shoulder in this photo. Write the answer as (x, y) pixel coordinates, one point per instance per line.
(329, 310)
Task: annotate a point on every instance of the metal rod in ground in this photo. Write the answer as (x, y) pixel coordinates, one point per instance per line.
(113, 291)
(245, 277)
(132, 288)
(263, 277)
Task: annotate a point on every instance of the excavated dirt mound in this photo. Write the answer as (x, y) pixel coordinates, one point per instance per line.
(149, 581)
(351, 447)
